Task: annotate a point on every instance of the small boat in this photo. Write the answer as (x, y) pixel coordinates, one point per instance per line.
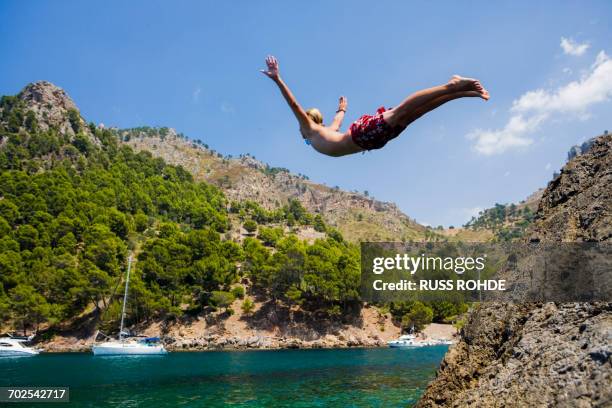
(147, 346)
(125, 344)
(13, 347)
(407, 340)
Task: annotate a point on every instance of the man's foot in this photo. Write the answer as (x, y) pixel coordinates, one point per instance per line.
(477, 94)
(468, 84)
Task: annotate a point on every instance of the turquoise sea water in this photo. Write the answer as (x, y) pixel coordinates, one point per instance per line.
(287, 378)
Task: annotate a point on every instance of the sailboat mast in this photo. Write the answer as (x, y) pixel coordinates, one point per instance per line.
(125, 293)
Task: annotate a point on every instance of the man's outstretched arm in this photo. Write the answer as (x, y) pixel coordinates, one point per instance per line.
(337, 122)
(273, 73)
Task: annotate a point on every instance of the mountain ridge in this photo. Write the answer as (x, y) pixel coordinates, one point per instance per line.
(357, 216)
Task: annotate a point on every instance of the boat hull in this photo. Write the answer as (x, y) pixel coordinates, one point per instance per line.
(415, 344)
(119, 349)
(404, 345)
(18, 353)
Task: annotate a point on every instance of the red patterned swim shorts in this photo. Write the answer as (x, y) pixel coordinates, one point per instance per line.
(372, 132)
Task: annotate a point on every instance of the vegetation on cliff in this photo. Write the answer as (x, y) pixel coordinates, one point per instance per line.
(508, 222)
(73, 205)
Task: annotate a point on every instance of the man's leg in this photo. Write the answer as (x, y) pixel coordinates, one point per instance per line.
(441, 100)
(403, 114)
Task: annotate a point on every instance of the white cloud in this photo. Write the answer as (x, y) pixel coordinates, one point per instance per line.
(594, 87)
(548, 166)
(513, 135)
(571, 47)
(195, 96)
(533, 108)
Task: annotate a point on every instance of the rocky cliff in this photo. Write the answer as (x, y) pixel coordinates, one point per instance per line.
(53, 108)
(542, 354)
(356, 215)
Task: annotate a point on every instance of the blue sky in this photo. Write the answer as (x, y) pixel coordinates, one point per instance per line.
(193, 65)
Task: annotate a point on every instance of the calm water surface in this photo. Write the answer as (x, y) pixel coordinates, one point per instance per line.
(288, 378)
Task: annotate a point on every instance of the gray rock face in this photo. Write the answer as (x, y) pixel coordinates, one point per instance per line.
(577, 205)
(577, 150)
(542, 355)
(51, 105)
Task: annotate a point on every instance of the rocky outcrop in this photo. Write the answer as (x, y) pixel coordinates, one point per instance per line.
(577, 150)
(542, 355)
(53, 108)
(577, 204)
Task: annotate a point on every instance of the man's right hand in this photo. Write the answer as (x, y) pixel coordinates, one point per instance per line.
(342, 104)
(272, 71)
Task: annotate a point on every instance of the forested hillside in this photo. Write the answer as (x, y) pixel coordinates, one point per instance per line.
(507, 221)
(357, 215)
(74, 202)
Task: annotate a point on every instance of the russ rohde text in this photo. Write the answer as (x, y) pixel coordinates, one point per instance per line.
(447, 284)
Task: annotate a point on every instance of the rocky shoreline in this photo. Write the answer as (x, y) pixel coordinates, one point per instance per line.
(214, 343)
(258, 341)
(265, 342)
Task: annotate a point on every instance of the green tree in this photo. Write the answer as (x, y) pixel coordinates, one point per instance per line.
(238, 292)
(82, 143)
(27, 236)
(141, 221)
(250, 226)
(442, 310)
(270, 236)
(75, 120)
(29, 307)
(294, 294)
(222, 299)
(418, 317)
(247, 306)
(319, 224)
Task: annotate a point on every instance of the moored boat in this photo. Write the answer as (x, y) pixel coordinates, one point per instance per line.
(126, 345)
(410, 341)
(14, 347)
(407, 340)
(147, 346)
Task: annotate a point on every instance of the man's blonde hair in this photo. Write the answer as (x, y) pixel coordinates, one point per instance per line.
(315, 115)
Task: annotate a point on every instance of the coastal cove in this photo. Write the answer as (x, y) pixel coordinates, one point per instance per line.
(297, 378)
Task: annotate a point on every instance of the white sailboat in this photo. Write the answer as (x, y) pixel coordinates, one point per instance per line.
(124, 345)
(13, 347)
